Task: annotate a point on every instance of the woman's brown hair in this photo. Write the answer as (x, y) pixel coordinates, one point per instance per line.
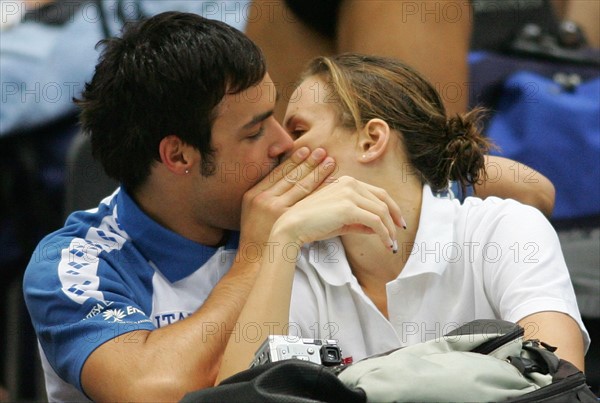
(440, 148)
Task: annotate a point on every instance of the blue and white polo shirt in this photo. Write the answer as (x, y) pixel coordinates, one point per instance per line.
(110, 271)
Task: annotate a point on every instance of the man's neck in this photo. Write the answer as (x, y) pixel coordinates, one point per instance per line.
(171, 210)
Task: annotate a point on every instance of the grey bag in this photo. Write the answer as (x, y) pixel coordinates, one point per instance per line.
(484, 360)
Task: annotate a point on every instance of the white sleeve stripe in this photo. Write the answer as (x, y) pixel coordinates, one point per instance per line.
(78, 266)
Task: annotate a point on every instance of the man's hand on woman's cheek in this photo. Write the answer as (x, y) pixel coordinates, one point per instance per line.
(294, 179)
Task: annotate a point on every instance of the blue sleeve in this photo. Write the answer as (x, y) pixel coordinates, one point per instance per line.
(78, 300)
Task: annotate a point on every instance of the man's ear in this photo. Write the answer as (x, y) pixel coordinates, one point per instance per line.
(176, 156)
(373, 140)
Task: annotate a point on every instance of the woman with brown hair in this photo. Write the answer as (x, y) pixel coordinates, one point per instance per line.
(374, 278)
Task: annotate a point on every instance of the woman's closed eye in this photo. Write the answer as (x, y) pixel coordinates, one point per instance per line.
(297, 133)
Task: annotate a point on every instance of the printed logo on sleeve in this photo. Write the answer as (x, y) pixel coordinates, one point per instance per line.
(167, 318)
(114, 315)
(98, 308)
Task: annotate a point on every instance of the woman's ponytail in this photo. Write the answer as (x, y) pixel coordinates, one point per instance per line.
(465, 149)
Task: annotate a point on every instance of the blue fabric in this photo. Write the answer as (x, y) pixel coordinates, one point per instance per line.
(43, 67)
(159, 245)
(458, 193)
(556, 132)
(92, 280)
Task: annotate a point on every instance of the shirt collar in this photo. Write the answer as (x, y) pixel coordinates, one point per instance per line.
(175, 256)
(329, 259)
(434, 241)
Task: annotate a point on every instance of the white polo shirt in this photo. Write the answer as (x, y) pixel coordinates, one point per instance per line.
(483, 259)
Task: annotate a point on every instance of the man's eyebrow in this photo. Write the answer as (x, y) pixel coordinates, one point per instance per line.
(258, 118)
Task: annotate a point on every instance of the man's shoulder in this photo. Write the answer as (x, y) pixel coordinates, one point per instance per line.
(84, 236)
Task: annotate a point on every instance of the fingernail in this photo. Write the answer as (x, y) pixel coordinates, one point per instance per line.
(403, 222)
(395, 246)
(328, 163)
(318, 153)
(302, 152)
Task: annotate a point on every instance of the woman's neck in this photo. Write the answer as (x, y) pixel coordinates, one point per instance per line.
(372, 264)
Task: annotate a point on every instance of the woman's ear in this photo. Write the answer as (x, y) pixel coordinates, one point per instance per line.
(175, 155)
(373, 140)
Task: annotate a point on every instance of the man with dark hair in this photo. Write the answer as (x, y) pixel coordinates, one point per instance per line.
(180, 112)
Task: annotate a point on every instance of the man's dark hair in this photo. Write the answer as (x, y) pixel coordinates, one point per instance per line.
(164, 75)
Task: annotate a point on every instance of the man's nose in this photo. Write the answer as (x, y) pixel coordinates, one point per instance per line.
(283, 144)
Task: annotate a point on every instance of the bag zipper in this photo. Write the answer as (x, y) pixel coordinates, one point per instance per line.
(553, 389)
(492, 345)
